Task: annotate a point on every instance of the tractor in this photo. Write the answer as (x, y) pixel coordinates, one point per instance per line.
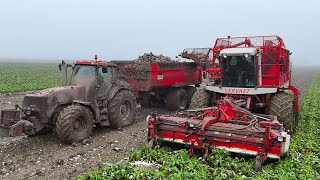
(246, 103)
(94, 96)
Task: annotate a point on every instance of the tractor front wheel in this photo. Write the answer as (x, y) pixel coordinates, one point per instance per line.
(200, 99)
(122, 108)
(74, 123)
(281, 105)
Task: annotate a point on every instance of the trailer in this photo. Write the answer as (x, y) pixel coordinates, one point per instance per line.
(170, 83)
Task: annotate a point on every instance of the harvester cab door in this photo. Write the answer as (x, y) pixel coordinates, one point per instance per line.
(259, 69)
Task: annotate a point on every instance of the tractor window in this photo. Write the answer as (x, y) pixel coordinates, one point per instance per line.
(85, 72)
(101, 73)
(238, 71)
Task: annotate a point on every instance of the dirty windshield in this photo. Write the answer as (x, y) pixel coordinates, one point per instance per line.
(84, 71)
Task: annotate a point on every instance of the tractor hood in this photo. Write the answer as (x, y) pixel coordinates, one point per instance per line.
(61, 94)
(45, 101)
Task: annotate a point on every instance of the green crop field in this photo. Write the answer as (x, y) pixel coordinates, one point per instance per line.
(20, 77)
(302, 161)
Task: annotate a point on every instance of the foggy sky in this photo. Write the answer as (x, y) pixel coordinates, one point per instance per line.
(78, 29)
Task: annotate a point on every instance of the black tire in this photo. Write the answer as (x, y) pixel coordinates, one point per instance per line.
(151, 144)
(258, 164)
(281, 105)
(74, 123)
(177, 99)
(122, 109)
(190, 92)
(200, 99)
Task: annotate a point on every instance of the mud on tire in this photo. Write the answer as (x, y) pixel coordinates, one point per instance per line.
(74, 123)
(122, 109)
(281, 105)
(200, 99)
(190, 92)
(177, 99)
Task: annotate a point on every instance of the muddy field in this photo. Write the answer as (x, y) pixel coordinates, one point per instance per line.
(46, 157)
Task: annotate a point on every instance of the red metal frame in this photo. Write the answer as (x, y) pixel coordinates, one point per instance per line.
(274, 72)
(225, 126)
(99, 63)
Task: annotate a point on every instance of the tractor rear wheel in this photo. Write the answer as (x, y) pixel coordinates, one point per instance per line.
(122, 109)
(281, 105)
(177, 99)
(200, 99)
(74, 123)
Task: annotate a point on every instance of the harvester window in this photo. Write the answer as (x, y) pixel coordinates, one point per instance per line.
(239, 71)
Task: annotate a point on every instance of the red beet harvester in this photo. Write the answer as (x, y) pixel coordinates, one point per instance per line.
(246, 103)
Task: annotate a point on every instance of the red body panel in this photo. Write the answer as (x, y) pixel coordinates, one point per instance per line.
(149, 76)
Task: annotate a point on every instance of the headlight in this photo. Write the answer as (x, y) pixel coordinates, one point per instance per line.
(147, 119)
(280, 139)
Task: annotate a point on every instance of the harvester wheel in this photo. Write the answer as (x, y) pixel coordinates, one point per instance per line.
(190, 92)
(200, 99)
(281, 105)
(122, 109)
(258, 164)
(74, 123)
(151, 144)
(177, 99)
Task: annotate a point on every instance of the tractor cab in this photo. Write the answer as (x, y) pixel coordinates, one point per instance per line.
(91, 74)
(238, 67)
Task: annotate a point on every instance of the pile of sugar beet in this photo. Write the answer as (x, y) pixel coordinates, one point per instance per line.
(150, 57)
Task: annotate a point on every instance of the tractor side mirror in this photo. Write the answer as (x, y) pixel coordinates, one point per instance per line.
(63, 66)
(104, 69)
(63, 63)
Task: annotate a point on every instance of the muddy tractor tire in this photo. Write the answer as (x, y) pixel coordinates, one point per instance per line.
(200, 99)
(74, 123)
(190, 92)
(122, 109)
(281, 105)
(177, 99)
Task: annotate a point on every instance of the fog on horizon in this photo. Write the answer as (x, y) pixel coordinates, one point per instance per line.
(78, 29)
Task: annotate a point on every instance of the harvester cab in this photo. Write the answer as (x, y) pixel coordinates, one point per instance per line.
(94, 95)
(238, 68)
